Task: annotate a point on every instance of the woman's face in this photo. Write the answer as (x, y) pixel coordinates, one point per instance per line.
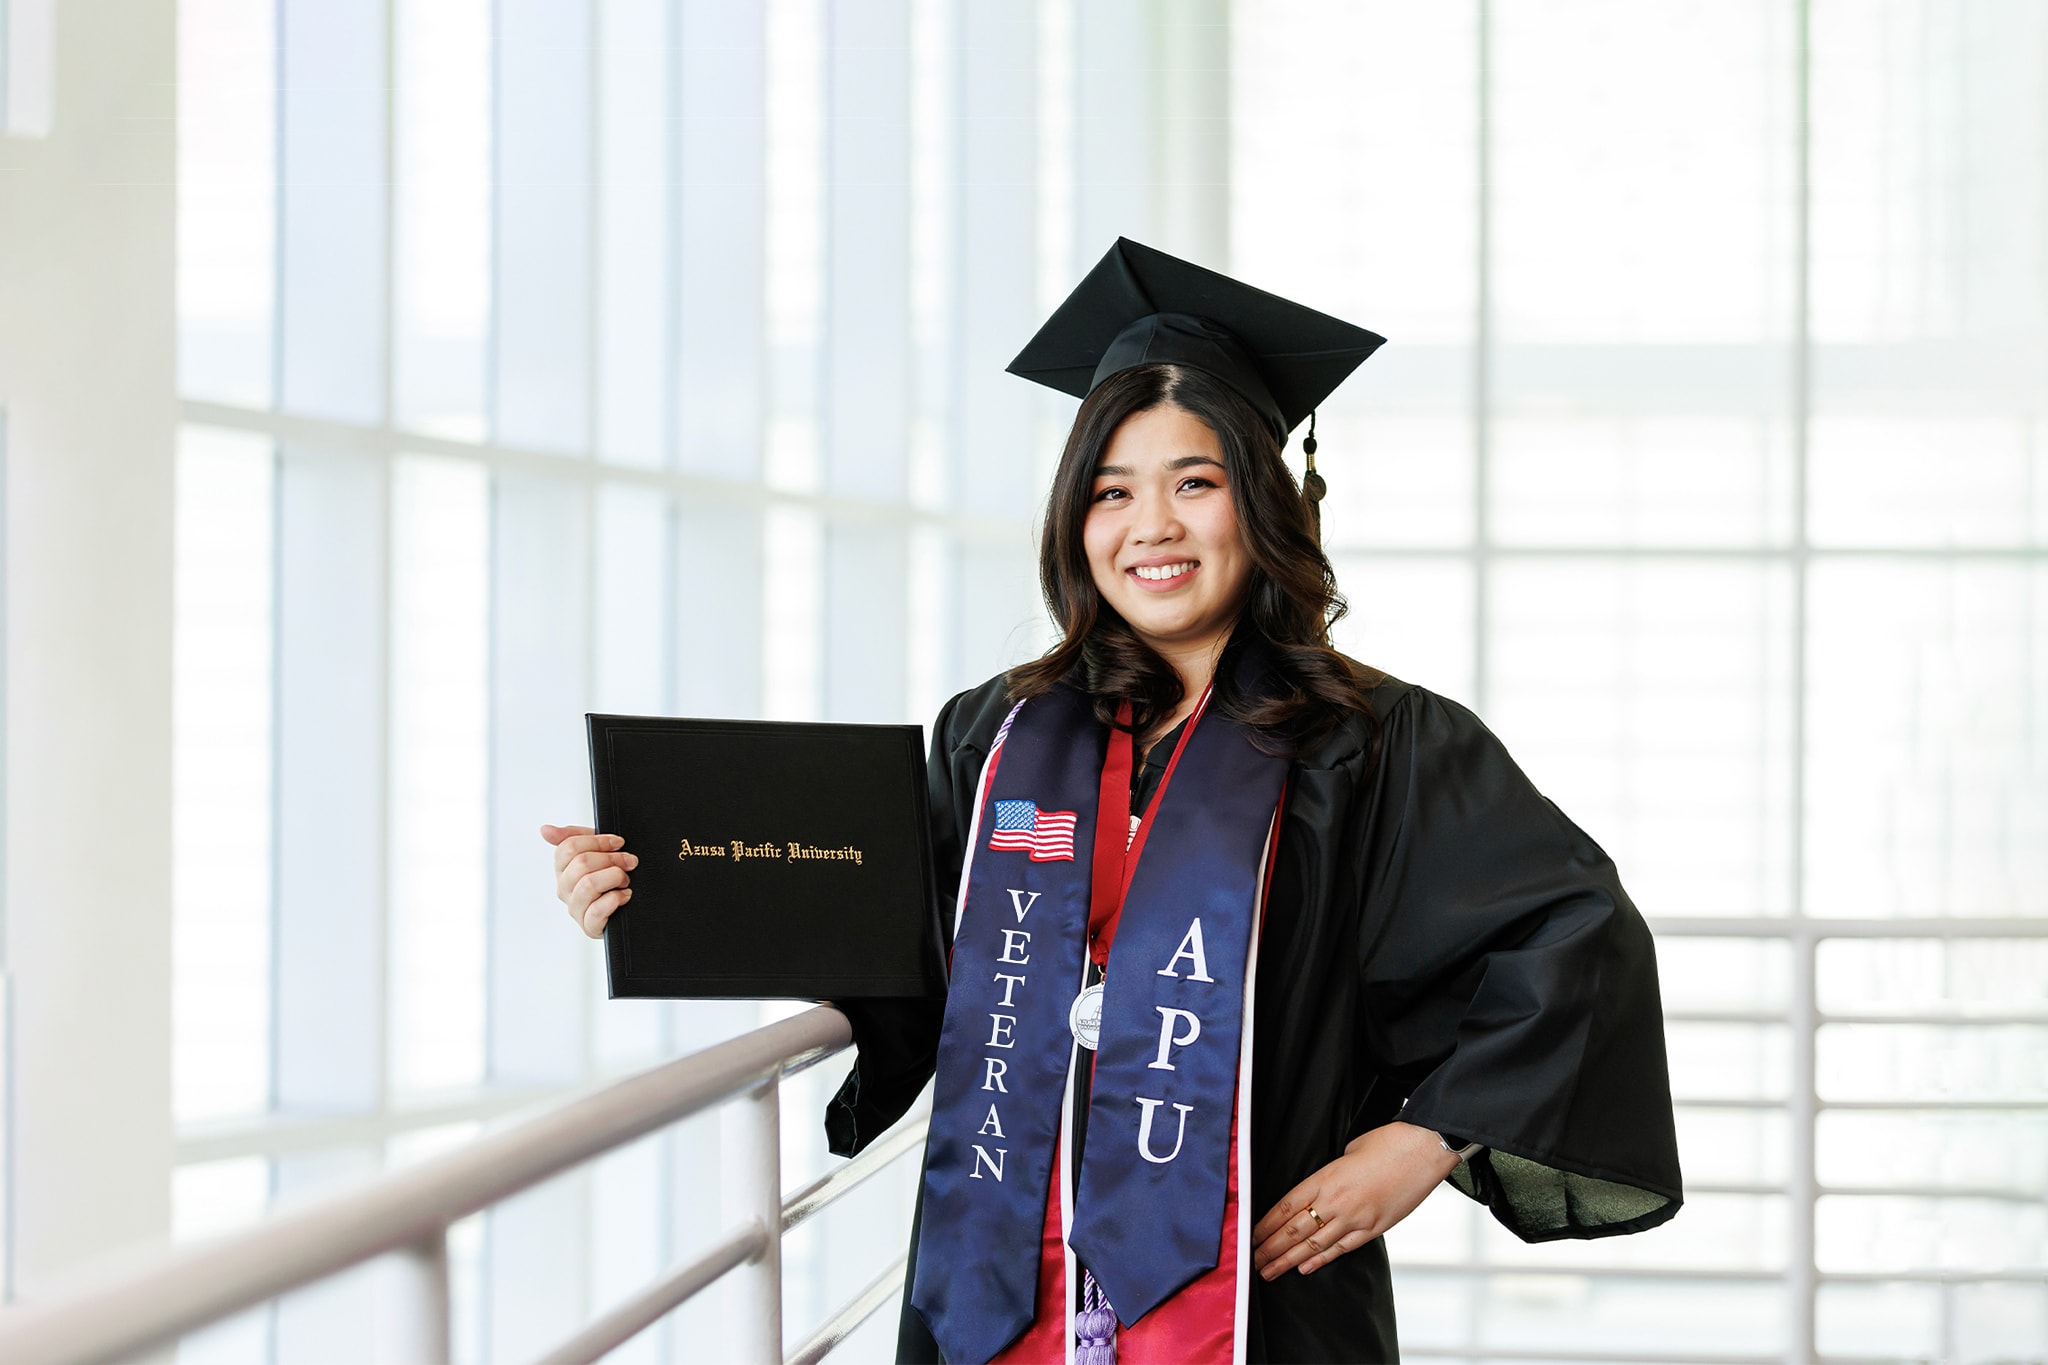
(1161, 533)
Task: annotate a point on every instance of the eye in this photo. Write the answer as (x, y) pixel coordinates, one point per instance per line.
(1110, 494)
(1195, 482)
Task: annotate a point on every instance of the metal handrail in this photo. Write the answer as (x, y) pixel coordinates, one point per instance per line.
(643, 1310)
(409, 1211)
(826, 1188)
(840, 1325)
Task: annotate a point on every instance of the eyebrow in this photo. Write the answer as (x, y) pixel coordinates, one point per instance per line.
(1124, 471)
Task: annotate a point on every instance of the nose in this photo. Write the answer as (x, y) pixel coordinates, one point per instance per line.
(1155, 522)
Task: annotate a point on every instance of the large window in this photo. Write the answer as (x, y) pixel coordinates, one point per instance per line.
(1707, 463)
(539, 358)
(543, 356)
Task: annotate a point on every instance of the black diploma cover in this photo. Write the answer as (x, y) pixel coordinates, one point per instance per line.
(778, 860)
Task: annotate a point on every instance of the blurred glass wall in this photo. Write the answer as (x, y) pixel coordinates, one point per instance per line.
(1706, 461)
(646, 355)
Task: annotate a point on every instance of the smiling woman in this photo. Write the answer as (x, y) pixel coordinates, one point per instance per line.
(1446, 978)
(1355, 952)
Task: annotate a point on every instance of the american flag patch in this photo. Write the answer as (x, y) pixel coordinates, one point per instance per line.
(1047, 835)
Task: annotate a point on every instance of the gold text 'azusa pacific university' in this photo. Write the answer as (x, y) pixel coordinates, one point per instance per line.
(786, 851)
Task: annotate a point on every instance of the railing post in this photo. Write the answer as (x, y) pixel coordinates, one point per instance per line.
(418, 1330)
(750, 1134)
(1802, 1181)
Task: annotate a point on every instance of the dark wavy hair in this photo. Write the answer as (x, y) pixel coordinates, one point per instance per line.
(1290, 602)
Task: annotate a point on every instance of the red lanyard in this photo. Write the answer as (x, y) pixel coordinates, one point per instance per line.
(1117, 849)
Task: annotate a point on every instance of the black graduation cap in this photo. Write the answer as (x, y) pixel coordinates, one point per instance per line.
(1139, 306)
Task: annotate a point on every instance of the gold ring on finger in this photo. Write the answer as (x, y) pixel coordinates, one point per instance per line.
(1321, 1222)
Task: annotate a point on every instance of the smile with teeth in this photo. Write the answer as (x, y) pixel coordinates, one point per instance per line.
(1159, 573)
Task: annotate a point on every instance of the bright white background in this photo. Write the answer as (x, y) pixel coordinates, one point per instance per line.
(645, 355)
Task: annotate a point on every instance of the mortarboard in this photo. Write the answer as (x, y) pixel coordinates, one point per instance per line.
(1139, 306)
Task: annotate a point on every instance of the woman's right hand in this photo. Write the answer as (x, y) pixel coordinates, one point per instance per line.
(590, 873)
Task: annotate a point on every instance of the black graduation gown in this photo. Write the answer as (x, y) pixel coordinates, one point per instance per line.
(1441, 945)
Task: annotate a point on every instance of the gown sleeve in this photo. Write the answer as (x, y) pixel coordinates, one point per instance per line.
(1511, 982)
(897, 1041)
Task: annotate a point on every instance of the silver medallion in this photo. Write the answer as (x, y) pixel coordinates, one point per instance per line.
(1085, 1017)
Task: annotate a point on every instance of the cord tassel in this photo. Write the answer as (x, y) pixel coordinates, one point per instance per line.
(1094, 1325)
(1313, 489)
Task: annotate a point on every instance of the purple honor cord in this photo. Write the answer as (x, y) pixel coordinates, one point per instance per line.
(1094, 1325)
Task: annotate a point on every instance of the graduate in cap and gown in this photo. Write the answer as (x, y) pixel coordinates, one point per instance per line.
(1252, 945)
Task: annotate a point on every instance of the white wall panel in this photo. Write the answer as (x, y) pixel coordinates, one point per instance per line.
(632, 628)
(867, 243)
(87, 338)
(227, 199)
(1928, 794)
(995, 256)
(933, 211)
(535, 1252)
(221, 709)
(1115, 134)
(928, 656)
(1411, 617)
(793, 157)
(439, 756)
(793, 614)
(1650, 479)
(997, 616)
(28, 66)
(719, 363)
(540, 381)
(1929, 180)
(719, 611)
(332, 202)
(539, 690)
(1193, 91)
(1695, 814)
(867, 609)
(331, 782)
(1649, 264)
(442, 227)
(635, 200)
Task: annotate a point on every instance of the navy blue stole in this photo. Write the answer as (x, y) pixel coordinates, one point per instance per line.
(1154, 1177)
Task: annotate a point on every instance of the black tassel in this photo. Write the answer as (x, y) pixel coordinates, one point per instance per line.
(1313, 489)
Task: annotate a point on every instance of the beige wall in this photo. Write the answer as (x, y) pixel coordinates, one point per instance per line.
(86, 379)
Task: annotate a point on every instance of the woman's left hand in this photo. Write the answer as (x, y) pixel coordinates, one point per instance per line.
(1378, 1181)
